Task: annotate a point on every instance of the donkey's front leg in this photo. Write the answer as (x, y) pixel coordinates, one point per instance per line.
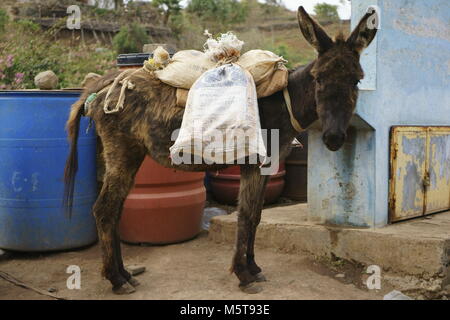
(251, 198)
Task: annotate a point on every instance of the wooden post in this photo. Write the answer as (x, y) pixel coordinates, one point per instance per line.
(101, 31)
(82, 37)
(95, 33)
(110, 38)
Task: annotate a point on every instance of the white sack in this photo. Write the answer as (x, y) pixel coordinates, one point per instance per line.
(221, 120)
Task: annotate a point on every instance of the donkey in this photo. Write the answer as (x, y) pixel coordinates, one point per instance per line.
(324, 90)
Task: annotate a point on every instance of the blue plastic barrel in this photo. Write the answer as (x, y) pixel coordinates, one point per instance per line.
(33, 152)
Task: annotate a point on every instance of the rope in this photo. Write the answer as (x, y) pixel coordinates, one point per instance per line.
(227, 60)
(126, 84)
(294, 121)
(17, 282)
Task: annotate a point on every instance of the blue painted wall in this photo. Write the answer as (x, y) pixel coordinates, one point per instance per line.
(408, 80)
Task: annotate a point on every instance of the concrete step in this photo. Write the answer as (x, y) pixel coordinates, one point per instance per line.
(417, 248)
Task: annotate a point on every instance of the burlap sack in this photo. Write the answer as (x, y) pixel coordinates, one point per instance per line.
(182, 95)
(277, 81)
(185, 68)
(260, 63)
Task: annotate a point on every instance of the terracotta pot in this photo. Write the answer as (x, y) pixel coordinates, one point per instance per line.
(165, 205)
(225, 185)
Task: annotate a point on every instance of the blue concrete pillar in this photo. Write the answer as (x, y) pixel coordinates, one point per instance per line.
(407, 82)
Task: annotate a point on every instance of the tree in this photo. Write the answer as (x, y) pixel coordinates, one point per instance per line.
(271, 7)
(168, 7)
(276, 3)
(131, 38)
(216, 14)
(326, 12)
(118, 4)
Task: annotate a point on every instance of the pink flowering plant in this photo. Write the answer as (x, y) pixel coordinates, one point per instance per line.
(26, 50)
(9, 77)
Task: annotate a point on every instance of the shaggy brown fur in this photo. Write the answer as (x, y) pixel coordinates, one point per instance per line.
(325, 90)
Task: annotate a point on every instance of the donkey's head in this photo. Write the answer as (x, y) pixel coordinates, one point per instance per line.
(336, 73)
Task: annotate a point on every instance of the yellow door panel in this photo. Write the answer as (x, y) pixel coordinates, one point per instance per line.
(408, 169)
(438, 189)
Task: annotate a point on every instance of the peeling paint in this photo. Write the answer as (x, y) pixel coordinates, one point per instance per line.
(411, 188)
(438, 195)
(423, 187)
(423, 27)
(414, 147)
(441, 155)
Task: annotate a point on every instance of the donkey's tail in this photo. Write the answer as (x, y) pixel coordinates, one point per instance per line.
(73, 128)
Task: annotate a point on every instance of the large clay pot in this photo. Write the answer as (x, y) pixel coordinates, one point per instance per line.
(165, 205)
(225, 185)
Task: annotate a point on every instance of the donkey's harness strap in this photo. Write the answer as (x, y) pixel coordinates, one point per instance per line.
(294, 121)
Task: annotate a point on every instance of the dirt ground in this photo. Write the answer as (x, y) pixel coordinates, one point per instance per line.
(196, 269)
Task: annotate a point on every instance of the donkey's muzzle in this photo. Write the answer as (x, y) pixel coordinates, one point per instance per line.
(333, 141)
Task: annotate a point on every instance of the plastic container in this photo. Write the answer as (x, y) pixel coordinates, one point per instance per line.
(132, 60)
(33, 152)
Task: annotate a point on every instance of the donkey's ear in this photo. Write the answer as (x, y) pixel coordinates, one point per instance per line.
(313, 32)
(363, 34)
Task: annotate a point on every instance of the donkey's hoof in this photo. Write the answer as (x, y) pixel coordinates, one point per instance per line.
(134, 282)
(251, 288)
(260, 278)
(126, 288)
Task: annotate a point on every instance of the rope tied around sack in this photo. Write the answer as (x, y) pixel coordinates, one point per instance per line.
(160, 59)
(124, 79)
(227, 60)
(225, 49)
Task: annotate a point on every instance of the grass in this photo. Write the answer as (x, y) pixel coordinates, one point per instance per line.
(26, 50)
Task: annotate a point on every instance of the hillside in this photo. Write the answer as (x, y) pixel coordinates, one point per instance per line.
(29, 46)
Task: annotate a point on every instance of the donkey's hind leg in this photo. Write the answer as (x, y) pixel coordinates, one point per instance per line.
(118, 253)
(251, 198)
(122, 160)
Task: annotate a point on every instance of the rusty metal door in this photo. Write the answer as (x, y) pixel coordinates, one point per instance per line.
(420, 171)
(438, 152)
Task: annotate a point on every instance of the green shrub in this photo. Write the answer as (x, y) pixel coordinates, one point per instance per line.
(3, 19)
(28, 26)
(218, 14)
(326, 12)
(294, 58)
(24, 53)
(131, 39)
